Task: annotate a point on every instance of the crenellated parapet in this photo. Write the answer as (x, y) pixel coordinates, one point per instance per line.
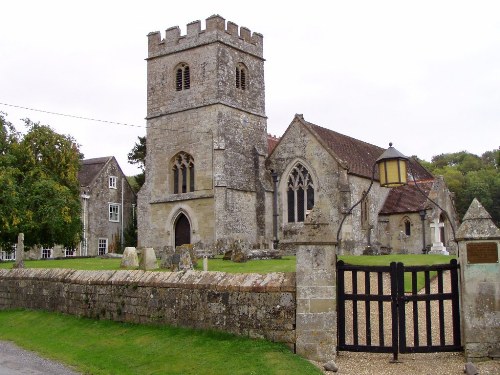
(216, 31)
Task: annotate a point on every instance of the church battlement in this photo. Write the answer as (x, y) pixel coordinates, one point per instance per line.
(216, 30)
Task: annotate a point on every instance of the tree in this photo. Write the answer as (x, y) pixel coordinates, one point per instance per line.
(469, 176)
(138, 156)
(39, 189)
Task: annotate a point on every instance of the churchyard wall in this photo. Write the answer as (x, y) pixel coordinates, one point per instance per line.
(254, 305)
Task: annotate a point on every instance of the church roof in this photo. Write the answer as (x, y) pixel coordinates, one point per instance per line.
(407, 198)
(272, 141)
(90, 168)
(359, 156)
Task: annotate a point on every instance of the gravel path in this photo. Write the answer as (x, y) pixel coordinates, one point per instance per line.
(17, 361)
(351, 363)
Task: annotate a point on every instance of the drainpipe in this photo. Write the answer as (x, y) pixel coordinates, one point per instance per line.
(122, 240)
(85, 198)
(274, 175)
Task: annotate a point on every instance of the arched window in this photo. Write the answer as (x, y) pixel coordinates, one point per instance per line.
(300, 194)
(241, 77)
(183, 173)
(407, 227)
(182, 77)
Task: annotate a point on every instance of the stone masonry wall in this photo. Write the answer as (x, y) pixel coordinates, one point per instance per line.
(259, 306)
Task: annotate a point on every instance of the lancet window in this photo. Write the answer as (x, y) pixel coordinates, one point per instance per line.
(183, 173)
(300, 194)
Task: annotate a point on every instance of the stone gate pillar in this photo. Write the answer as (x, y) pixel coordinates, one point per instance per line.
(316, 318)
(479, 241)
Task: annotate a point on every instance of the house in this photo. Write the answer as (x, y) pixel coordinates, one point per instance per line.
(108, 205)
(108, 208)
(214, 175)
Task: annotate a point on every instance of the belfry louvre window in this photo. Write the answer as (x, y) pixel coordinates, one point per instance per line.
(241, 77)
(183, 173)
(182, 78)
(300, 194)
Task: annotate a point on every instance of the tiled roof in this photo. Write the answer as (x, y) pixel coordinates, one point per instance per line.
(272, 141)
(358, 155)
(90, 168)
(406, 198)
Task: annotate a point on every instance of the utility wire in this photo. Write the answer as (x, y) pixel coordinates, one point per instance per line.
(97, 120)
(72, 116)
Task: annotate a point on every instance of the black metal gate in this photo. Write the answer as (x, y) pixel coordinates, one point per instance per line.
(382, 318)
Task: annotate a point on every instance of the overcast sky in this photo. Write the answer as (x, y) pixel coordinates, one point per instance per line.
(422, 74)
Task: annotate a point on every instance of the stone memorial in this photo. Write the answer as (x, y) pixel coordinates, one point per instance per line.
(148, 259)
(130, 258)
(20, 251)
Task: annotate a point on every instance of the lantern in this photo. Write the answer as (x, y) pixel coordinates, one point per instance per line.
(392, 168)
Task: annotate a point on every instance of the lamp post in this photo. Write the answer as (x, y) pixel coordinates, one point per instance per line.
(422, 214)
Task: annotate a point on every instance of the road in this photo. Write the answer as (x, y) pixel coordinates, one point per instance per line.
(17, 361)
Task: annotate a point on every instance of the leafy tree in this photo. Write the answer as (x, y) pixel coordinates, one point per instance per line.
(470, 176)
(39, 189)
(138, 156)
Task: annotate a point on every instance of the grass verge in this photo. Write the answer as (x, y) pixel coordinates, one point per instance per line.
(105, 347)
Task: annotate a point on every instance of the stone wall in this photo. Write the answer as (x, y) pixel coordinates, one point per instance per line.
(259, 306)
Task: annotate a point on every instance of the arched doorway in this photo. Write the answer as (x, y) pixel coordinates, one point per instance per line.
(182, 230)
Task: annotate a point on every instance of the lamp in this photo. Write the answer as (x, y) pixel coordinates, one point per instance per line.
(392, 166)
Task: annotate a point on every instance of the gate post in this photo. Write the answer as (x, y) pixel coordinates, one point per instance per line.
(316, 316)
(479, 241)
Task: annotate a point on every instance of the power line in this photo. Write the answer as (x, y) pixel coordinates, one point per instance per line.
(72, 116)
(97, 120)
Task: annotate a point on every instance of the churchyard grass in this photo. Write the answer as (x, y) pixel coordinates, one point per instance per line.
(285, 264)
(106, 347)
(95, 264)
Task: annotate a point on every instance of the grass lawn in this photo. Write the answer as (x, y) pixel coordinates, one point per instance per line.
(71, 263)
(286, 264)
(105, 347)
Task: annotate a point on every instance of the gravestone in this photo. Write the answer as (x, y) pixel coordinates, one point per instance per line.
(130, 258)
(148, 259)
(20, 251)
(437, 244)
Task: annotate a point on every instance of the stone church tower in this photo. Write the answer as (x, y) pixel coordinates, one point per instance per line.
(206, 137)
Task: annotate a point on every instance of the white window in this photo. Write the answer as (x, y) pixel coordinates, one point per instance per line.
(102, 246)
(46, 252)
(69, 252)
(5, 255)
(114, 212)
(112, 182)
